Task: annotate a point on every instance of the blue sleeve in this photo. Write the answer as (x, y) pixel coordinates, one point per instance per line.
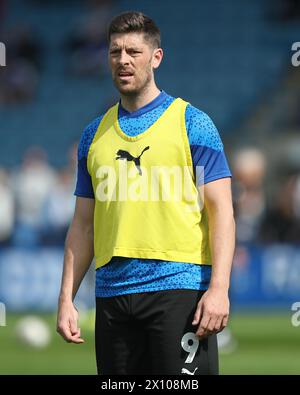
(84, 186)
(209, 160)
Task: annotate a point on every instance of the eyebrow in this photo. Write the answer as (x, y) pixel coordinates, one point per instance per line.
(116, 47)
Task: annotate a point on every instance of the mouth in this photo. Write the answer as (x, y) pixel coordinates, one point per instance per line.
(125, 75)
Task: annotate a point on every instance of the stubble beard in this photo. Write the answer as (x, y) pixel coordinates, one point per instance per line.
(135, 90)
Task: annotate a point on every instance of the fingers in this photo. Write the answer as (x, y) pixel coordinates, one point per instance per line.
(198, 314)
(70, 332)
(212, 312)
(203, 328)
(68, 335)
(219, 326)
(207, 321)
(67, 319)
(75, 333)
(73, 327)
(76, 338)
(211, 323)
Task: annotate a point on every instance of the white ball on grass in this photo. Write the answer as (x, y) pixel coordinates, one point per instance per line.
(33, 331)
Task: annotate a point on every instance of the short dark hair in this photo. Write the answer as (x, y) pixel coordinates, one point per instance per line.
(135, 22)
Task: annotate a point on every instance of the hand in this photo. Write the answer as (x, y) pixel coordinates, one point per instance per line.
(212, 312)
(67, 319)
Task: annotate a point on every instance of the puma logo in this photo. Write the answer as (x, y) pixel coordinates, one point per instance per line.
(126, 155)
(186, 371)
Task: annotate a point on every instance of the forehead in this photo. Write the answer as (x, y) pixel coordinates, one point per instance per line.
(127, 40)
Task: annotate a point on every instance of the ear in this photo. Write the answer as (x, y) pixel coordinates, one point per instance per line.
(157, 57)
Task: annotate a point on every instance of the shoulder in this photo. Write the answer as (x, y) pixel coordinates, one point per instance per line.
(201, 129)
(87, 136)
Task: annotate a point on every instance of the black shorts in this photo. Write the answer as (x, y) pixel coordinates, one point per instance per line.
(152, 333)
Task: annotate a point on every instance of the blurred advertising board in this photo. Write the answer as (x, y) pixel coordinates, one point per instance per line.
(30, 279)
(262, 276)
(266, 275)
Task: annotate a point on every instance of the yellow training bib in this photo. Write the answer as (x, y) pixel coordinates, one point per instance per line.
(146, 202)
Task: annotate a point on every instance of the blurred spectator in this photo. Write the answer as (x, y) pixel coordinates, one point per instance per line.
(249, 167)
(88, 42)
(37, 204)
(58, 209)
(282, 220)
(59, 206)
(33, 184)
(296, 198)
(285, 10)
(72, 160)
(7, 210)
(19, 81)
(22, 43)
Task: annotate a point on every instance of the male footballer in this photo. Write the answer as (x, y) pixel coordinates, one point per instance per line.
(162, 236)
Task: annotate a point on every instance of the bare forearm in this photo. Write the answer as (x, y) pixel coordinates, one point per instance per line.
(212, 311)
(77, 259)
(222, 242)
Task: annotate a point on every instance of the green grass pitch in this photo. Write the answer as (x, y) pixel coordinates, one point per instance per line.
(267, 344)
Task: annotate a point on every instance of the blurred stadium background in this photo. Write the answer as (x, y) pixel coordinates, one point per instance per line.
(232, 59)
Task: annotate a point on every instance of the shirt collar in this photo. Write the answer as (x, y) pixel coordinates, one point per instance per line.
(148, 107)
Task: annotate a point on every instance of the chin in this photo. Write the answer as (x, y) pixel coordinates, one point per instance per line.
(127, 89)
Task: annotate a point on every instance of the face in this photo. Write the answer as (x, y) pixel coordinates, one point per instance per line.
(132, 60)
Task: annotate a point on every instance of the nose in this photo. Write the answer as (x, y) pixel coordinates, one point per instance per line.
(124, 58)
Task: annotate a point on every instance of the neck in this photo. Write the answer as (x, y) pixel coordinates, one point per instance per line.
(134, 102)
